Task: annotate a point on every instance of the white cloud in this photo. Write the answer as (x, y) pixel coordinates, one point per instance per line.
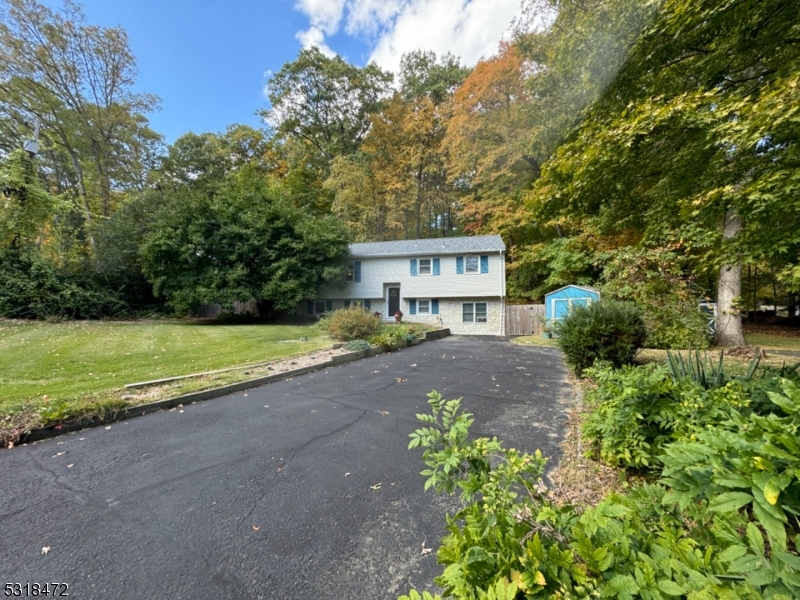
(325, 15)
(470, 29)
(467, 28)
(314, 37)
(369, 17)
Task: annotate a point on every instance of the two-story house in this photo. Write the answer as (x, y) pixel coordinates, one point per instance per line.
(459, 283)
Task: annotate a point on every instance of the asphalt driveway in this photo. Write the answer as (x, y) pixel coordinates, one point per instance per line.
(269, 493)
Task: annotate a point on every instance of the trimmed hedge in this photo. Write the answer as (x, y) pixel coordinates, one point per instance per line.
(606, 330)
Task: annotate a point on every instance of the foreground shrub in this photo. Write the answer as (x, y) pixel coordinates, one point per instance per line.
(637, 410)
(607, 330)
(749, 463)
(695, 540)
(353, 323)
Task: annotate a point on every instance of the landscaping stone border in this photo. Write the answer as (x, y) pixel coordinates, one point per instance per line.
(49, 431)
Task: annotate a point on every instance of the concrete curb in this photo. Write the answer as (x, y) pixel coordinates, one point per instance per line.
(49, 431)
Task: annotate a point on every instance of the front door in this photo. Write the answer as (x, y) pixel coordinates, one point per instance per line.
(394, 301)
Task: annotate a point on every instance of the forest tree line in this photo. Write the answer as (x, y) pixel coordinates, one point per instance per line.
(648, 146)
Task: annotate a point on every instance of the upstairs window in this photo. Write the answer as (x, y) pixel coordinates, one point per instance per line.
(353, 272)
(424, 266)
(472, 264)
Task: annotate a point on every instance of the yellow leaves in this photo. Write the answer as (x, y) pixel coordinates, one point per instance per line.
(771, 493)
(761, 464)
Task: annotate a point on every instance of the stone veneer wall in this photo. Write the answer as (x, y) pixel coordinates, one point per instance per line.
(450, 316)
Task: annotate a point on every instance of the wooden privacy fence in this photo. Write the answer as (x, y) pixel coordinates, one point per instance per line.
(239, 308)
(524, 319)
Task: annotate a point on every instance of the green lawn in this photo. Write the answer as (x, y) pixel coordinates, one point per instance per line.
(82, 366)
(535, 340)
(778, 342)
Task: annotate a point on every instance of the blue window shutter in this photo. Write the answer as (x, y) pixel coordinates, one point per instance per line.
(310, 307)
(484, 263)
(436, 268)
(413, 267)
(434, 307)
(357, 271)
(367, 304)
(346, 303)
(328, 305)
(413, 307)
(460, 265)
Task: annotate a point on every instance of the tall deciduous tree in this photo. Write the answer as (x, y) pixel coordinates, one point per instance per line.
(243, 240)
(321, 109)
(76, 79)
(696, 142)
(423, 74)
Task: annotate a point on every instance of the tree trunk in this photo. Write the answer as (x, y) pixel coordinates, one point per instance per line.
(729, 290)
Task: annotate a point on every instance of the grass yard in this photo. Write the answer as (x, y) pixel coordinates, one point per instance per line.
(82, 365)
(535, 340)
(774, 341)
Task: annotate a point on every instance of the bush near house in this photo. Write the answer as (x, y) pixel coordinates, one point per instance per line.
(352, 323)
(607, 330)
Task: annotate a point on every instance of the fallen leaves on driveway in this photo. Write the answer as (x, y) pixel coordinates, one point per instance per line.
(377, 486)
(45, 549)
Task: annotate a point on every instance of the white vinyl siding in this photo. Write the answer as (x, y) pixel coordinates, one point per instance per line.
(377, 273)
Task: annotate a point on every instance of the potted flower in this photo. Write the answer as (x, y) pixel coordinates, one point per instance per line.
(546, 330)
(398, 316)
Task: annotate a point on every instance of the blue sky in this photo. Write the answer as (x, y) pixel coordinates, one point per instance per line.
(208, 60)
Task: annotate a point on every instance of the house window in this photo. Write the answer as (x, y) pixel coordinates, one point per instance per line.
(424, 266)
(471, 264)
(319, 306)
(424, 307)
(354, 272)
(474, 312)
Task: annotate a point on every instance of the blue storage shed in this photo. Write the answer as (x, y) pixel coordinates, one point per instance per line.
(558, 303)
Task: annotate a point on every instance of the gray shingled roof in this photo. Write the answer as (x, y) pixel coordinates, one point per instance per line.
(454, 245)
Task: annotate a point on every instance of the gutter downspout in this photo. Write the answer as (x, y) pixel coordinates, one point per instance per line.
(503, 295)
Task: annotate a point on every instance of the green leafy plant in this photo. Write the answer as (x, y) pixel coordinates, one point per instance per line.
(353, 323)
(655, 280)
(394, 337)
(746, 461)
(636, 410)
(357, 346)
(704, 372)
(607, 330)
(510, 541)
